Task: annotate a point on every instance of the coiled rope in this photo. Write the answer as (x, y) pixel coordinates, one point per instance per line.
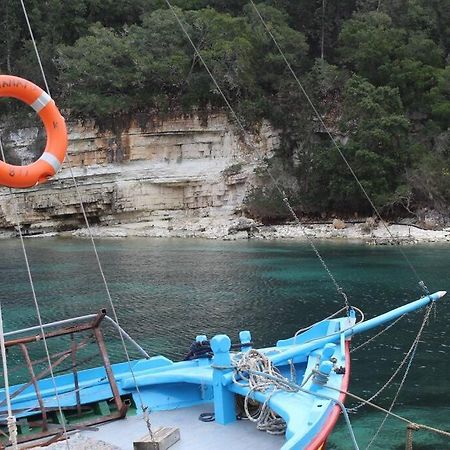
(250, 366)
(256, 371)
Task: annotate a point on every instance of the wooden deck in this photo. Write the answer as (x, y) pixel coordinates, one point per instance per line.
(195, 434)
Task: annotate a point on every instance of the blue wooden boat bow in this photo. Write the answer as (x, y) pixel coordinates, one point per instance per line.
(305, 367)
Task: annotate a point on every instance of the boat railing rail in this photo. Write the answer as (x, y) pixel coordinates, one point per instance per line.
(75, 320)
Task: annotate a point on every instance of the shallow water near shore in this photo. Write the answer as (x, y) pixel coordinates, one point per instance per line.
(166, 291)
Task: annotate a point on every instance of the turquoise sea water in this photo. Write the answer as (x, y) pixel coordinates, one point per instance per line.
(166, 291)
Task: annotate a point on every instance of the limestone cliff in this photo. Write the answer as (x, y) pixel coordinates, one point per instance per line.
(151, 172)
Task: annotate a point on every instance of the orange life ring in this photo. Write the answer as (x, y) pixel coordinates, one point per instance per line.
(55, 151)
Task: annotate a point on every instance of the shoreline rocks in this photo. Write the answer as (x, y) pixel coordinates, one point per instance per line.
(243, 228)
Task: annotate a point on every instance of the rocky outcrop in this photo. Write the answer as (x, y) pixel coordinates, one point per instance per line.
(153, 171)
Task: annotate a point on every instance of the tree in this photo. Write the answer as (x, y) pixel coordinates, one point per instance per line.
(401, 58)
(225, 45)
(368, 44)
(440, 99)
(163, 59)
(377, 151)
(99, 74)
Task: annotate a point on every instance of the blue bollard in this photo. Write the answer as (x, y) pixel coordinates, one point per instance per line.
(224, 402)
(246, 339)
(328, 351)
(320, 378)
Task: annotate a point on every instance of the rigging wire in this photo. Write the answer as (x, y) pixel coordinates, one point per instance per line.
(282, 193)
(354, 349)
(336, 145)
(108, 293)
(297, 221)
(409, 354)
(11, 419)
(412, 353)
(390, 413)
(37, 308)
(421, 283)
(35, 46)
(144, 408)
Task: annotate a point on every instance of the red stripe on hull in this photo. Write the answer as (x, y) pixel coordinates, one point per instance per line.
(319, 440)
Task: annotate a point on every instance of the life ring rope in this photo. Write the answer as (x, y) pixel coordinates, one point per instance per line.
(56, 147)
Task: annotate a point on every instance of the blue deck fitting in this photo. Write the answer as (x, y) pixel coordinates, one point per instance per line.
(321, 377)
(246, 340)
(224, 403)
(328, 351)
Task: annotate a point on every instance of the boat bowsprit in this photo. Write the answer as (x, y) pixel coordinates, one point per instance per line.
(294, 389)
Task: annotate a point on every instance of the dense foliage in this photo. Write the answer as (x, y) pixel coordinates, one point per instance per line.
(378, 72)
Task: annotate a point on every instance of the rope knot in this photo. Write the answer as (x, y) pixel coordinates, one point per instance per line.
(146, 416)
(413, 426)
(320, 377)
(12, 430)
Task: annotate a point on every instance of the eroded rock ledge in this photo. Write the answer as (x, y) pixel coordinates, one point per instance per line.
(151, 174)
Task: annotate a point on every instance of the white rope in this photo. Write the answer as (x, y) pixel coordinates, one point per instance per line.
(11, 420)
(301, 330)
(249, 363)
(336, 333)
(12, 431)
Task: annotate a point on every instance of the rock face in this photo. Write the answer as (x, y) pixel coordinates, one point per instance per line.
(164, 171)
